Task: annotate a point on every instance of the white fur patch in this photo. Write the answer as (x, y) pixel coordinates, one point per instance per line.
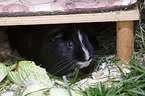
(87, 56)
(84, 64)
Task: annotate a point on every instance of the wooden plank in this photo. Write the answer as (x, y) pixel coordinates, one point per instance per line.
(124, 40)
(72, 18)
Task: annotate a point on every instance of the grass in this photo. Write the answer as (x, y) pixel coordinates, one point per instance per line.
(131, 84)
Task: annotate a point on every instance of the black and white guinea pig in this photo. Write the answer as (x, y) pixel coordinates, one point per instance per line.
(61, 49)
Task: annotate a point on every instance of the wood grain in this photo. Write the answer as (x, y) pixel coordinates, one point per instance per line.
(72, 18)
(125, 40)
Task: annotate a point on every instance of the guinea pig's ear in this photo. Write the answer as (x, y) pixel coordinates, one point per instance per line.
(56, 36)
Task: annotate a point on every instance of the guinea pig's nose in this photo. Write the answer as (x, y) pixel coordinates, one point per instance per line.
(88, 59)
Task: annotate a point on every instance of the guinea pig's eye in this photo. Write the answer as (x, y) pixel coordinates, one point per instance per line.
(70, 44)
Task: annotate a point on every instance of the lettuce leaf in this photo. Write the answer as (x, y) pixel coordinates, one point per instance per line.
(29, 74)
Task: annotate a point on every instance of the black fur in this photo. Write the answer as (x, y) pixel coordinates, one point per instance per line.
(55, 47)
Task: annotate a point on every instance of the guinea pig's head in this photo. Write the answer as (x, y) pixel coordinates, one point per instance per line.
(66, 49)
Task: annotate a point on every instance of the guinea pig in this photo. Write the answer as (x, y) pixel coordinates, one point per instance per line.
(61, 49)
